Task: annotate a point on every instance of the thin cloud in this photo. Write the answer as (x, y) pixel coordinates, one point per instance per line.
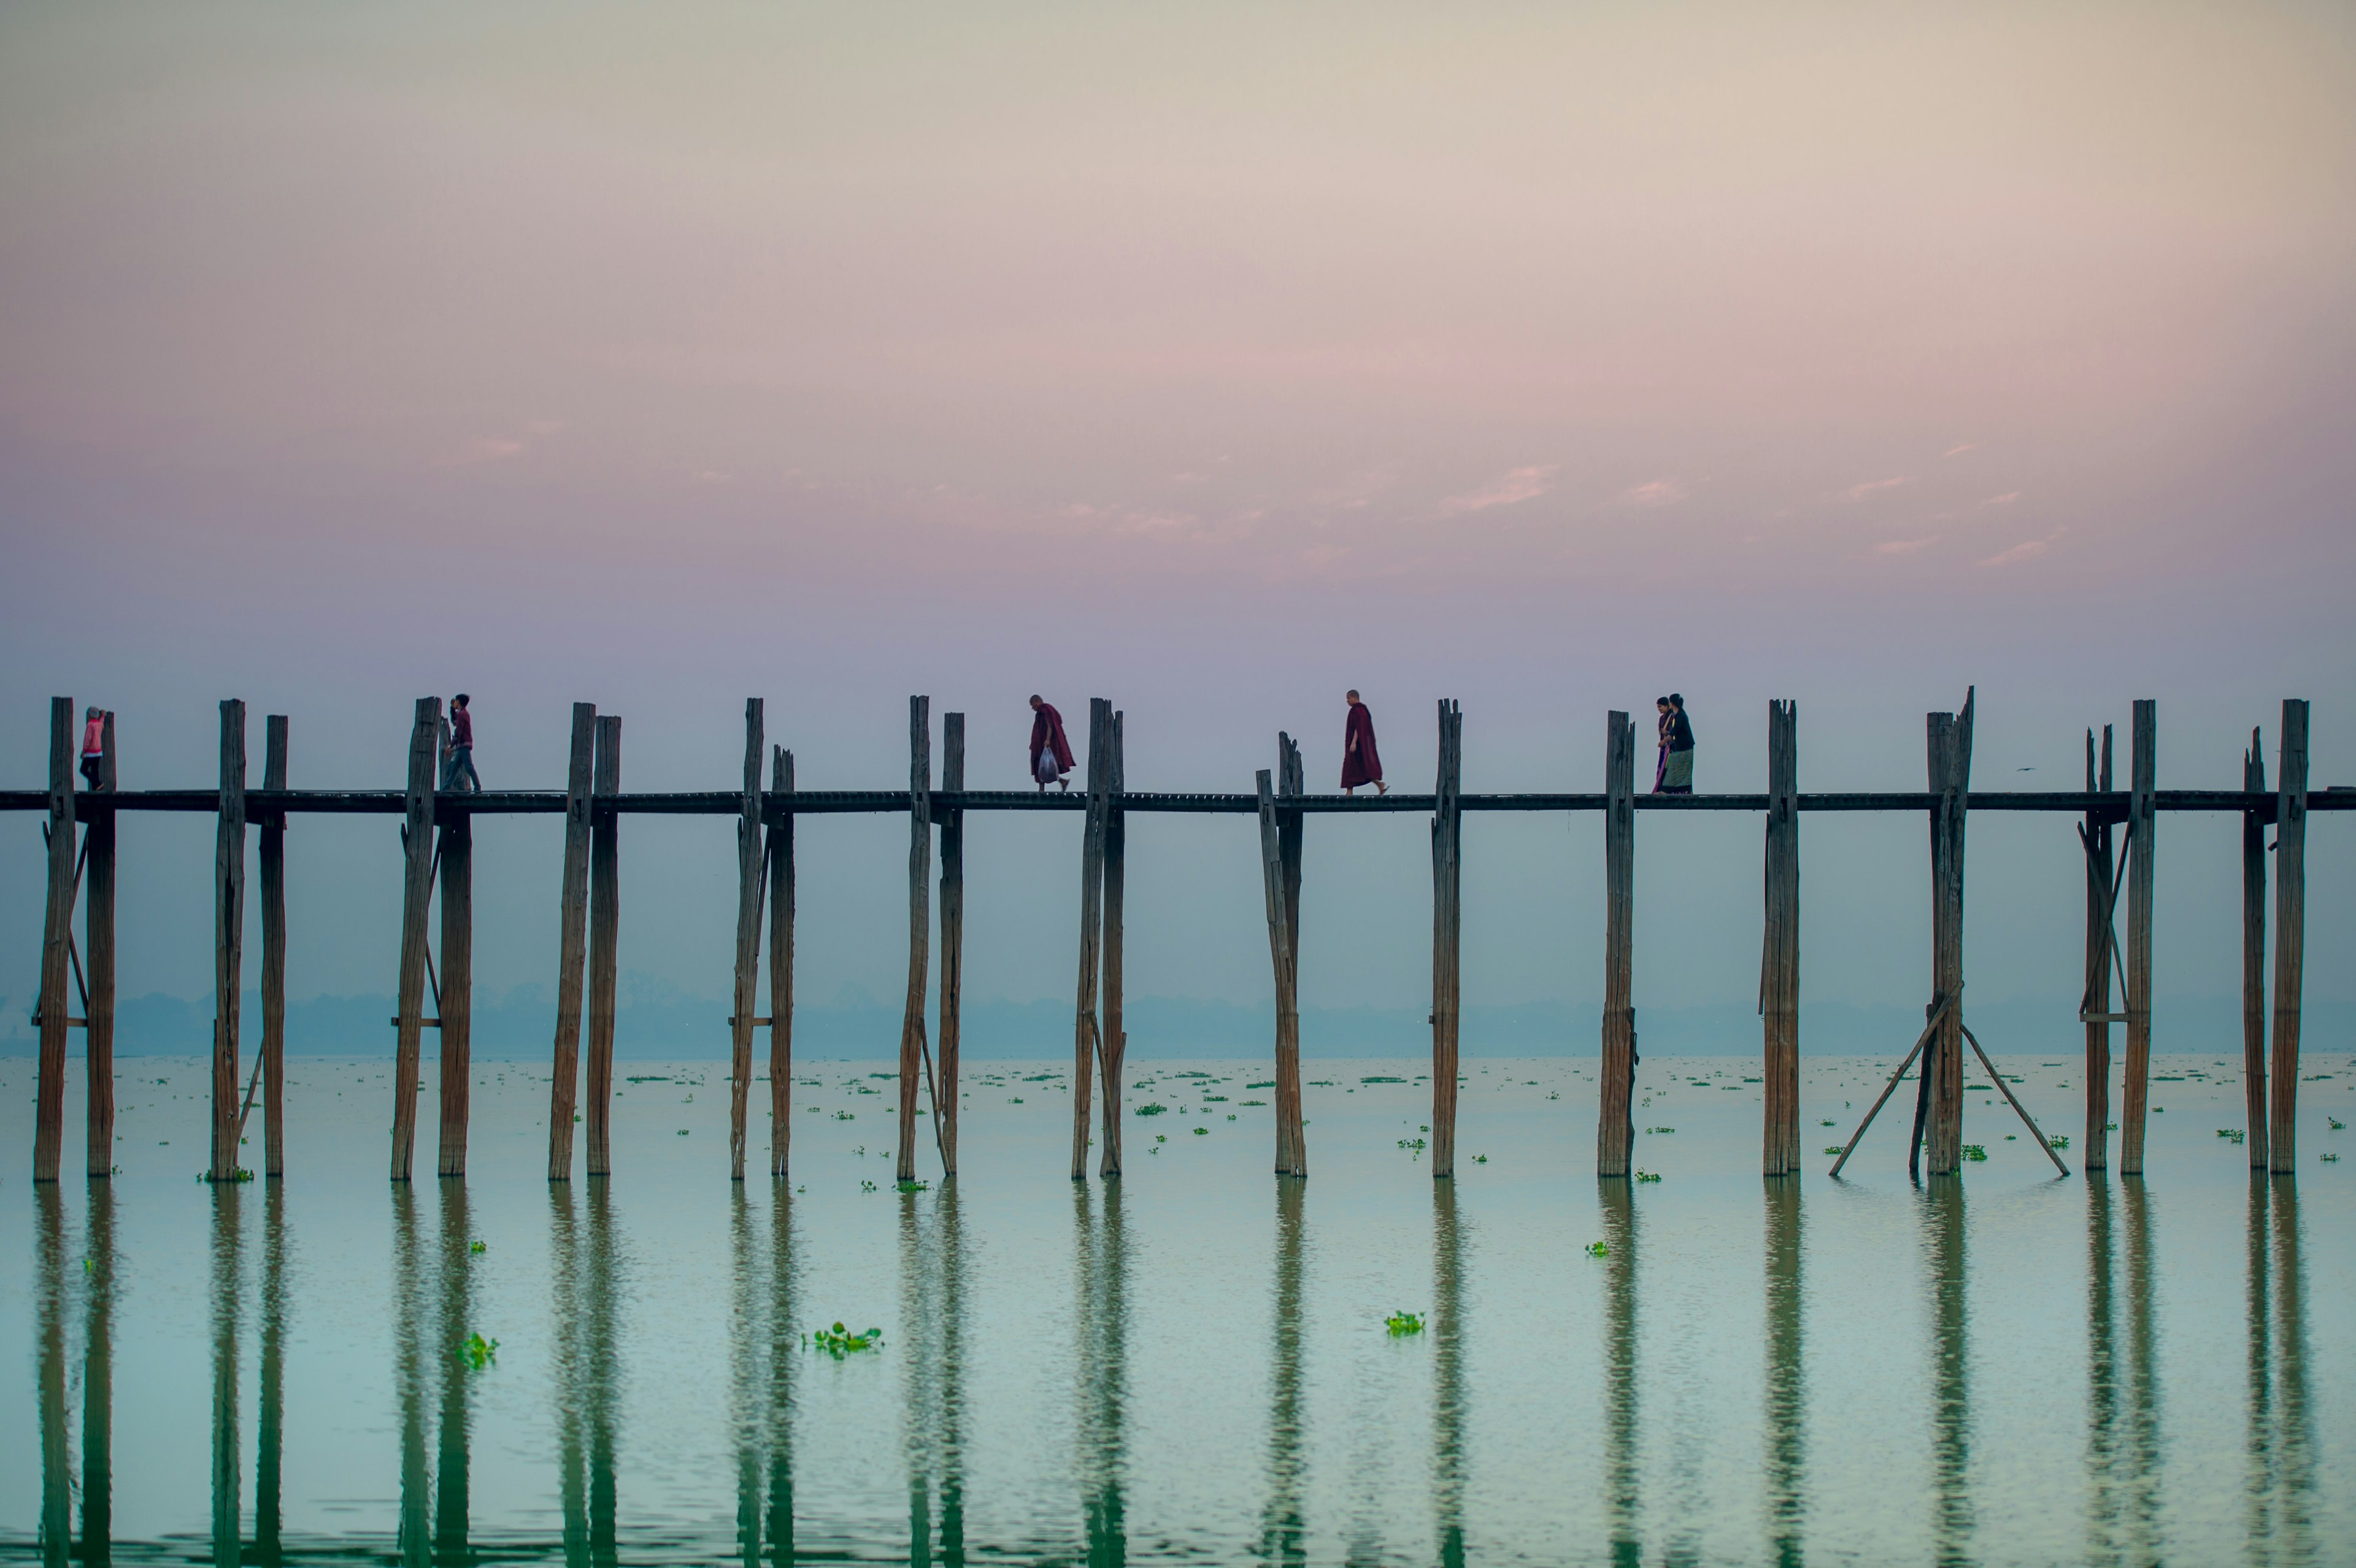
(2028, 549)
(1654, 493)
(2006, 499)
(1959, 450)
(1904, 547)
(1517, 486)
(1859, 491)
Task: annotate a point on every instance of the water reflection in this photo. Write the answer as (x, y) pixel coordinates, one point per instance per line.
(1617, 1200)
(49, 1333)
(1102, 1255)
(782, 1281)
(1786, 1412)
(1448, 1374)
(269, 1467)
(1951, 1427)
(2142, 1543)
(229, 1494)
(2282, 1416)
(747, 1401)
(586, 1372)
(451, 1470)
(408, 1381)
(1280, 1522)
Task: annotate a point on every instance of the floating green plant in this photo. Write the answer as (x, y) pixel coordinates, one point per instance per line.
(866, 1187)
(2232, 1135)
(915, 1186)
(683, 1132)
(478, 1246)
(2060, 1140)
(1599, 1248)
(1414, 1144)
(2336, 1124)
(241, 1174)
(846, 1116)
(2328, 1159)
(1161, 1137)
(1266, 1084)
(1403, 1322)
(1254, 1102)
(839, 1342)
(1974, 1151)
(1644, 1175)
(1150, 1110)
(1014, 1098)
(1379, 1078)
(1202, 1132)
(1833, 1150)
(1480, 1159)
(1660, 1129)
(1825, 1122)
(478, 1353)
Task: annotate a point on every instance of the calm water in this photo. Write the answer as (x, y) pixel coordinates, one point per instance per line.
(1190, 1364)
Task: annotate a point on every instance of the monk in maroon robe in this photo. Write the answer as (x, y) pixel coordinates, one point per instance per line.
(1361, 763)
(1051, 754)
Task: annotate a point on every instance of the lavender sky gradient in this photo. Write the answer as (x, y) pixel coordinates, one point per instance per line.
(1214, 361)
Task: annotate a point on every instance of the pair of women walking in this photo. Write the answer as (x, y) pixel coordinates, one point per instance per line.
(1051, 751)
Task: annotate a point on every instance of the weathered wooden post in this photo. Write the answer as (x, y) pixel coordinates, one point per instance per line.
(1615, 1132)
(1778, 962)
(2253, 955)
(455, 1003)
(952, 936)
(920, 877)
(416, 899)
(1292, 1157)
(781, 962)
(2142, 824)
(1949, 766)
(273, 867)
(1092, 846)
(98, 915)
(57, 937)
(604, 938)
(1115, 1036)
(741, 1018)
(571, 937)
(2094, 1010)
(2290, 932)
(229, 937)
(1447, 932)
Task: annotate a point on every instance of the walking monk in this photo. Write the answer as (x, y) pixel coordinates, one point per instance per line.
(1051, 754)
(1361, 763)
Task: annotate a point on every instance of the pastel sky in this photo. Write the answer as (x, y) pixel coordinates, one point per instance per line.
(1213, 359)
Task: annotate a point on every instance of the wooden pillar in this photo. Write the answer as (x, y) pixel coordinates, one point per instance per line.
(920, 878)
(741, 1018)
(273, 867)
(2290, 932)
(98, 941)
(605, 938)
(1778, 962)
(57, 937)
(1092, 847)
(1115, 1036)
(1948, 748)
(1291, 1157)
(456, 1009)
(1446, 932)
(1615, 1132)
(2253, 955)
(2141, 823)
(571, 937)
(416, 899)
(781, 962)
(2102, 877)
(952, 936)
(229, 937)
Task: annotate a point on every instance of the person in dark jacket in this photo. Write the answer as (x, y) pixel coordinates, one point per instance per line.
(1051, 753)
(1677, 753)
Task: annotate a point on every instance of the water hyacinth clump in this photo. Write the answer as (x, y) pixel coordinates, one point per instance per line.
(478, 1352)
(839, 1342)
(1403, 1322)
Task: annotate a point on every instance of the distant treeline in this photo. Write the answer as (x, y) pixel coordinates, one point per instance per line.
(656, 1021)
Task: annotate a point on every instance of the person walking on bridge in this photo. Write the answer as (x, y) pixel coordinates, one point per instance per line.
(1051, 753)
(1674, 774)
(93, 744)
(1361, 763)
(462, 751)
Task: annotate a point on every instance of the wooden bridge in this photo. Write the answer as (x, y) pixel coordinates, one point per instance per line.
(437, 838)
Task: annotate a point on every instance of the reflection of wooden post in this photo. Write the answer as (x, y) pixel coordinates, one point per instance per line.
(748, 942)
(1116, 1038)
(456, 1009)
(2253, 957)
(273, 866)
(2142, 823)
(1092, 846)
(416, 898)
(229, 938)
(57, 937)
(1778, 962)
(1615, 1130)
(952, 936)
(920, 878)
(98, 916)
(605, 938)
(571, 937)
(781, 962)
(2290, 930)
(1289, 1160)
(1447, 934)
(2101, 874)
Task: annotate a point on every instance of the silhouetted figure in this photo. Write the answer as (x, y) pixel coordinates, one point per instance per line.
(1675, 773)
(1051, 754)
(462, 749)
(1361, 763)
